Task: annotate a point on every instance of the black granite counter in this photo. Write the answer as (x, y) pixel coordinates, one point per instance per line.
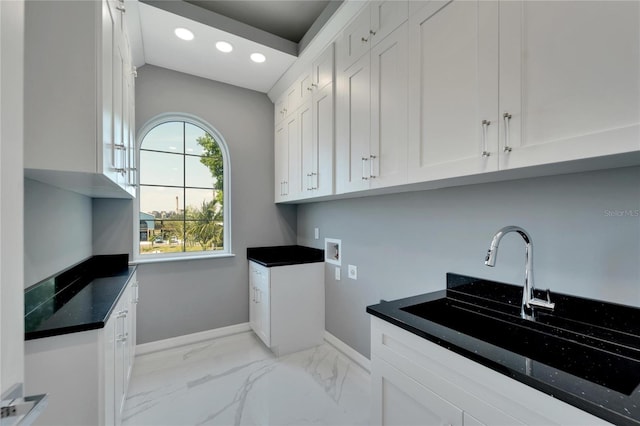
(284, 255)
(78, 299)
(596, 368)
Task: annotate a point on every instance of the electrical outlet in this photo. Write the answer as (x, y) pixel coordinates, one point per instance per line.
(353, 272)
(337, 273)
(317, 233)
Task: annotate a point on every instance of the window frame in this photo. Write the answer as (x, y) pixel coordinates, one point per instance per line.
(226, 207)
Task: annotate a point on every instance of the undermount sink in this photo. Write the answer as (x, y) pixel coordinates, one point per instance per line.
(561, 343)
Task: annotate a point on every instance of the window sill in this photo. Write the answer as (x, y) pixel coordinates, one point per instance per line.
(142, 261)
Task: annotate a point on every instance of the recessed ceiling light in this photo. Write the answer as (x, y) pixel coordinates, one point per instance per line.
(183, 33)
(258, 57)
(223, 46)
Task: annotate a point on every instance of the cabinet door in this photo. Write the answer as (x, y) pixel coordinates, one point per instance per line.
(288, 169)
(322, 69)
(305, 88)
(453, 104)
(133, 321)
(281, 151)
(293, 185)
(386, 16)
(109, 370)
(388, 150)
(308, 149)
(263, 306)
(353, 127)
(292, 99)
(569, 80)
(355, 40)
(399, 400)
(120, 359)
(108, 48)
(278, 109)
(323, 131)
(253, 277)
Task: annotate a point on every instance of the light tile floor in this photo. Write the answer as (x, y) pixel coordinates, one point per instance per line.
(236, 380)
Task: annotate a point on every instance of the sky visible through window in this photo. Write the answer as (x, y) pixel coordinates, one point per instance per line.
(164, 165)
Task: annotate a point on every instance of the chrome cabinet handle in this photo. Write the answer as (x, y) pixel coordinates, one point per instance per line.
(371, 175)
(364, 40)
(364, 160)
(315, 86)
(119, 146)
(122, 338)
(121, 9)
(309, 181)
(373, 33)
(507, 143)
(485, 129)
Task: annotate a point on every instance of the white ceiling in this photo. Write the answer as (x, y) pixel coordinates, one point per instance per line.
(156, 43)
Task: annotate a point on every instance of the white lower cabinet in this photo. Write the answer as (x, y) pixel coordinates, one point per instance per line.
(417, 382)
(286, 305)
(86, 373)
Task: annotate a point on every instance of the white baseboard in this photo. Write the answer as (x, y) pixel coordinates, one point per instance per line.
(174, 342)
(355, 356)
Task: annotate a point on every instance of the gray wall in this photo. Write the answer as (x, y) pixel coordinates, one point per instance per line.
(112, 226)
(57, 230)
(183, 297)
(404, 244)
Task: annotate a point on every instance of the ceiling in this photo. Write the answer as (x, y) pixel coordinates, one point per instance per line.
(289, 19)
(271, 27)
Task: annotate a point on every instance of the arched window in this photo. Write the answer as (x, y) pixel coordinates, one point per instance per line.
(183, 189)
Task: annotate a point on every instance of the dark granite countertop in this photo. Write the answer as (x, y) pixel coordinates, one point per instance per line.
(284, 255)
(79, 298)
(614, 330)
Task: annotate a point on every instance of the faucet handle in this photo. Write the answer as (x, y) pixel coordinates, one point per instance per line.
(546, 304)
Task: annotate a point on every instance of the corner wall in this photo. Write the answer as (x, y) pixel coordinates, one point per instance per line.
(183, 297)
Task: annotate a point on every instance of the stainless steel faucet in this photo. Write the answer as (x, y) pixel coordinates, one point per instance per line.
(528, 299)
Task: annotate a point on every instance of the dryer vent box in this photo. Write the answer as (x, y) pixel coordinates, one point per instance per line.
(333, 251)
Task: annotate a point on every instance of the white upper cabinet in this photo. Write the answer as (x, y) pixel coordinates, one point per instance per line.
(453, 101)
(288, 182)
(319, 165)
(429, 91)
(371, 117)
(569, 85)
(376, 21)
(389, 92)
(353, 126)
(79, 98)
(322, 69)
(503, 85)
(386, 16)
(355, 40)
(304, 139)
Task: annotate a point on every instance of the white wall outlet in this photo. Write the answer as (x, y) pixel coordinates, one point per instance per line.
(353, 272)
(337, 273)
(316, 232)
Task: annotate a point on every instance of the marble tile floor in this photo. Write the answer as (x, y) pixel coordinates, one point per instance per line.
(236, 380)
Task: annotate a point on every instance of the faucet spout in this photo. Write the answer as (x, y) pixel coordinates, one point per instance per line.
(528, 299)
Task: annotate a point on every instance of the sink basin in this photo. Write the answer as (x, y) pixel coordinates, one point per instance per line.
(560, 343)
